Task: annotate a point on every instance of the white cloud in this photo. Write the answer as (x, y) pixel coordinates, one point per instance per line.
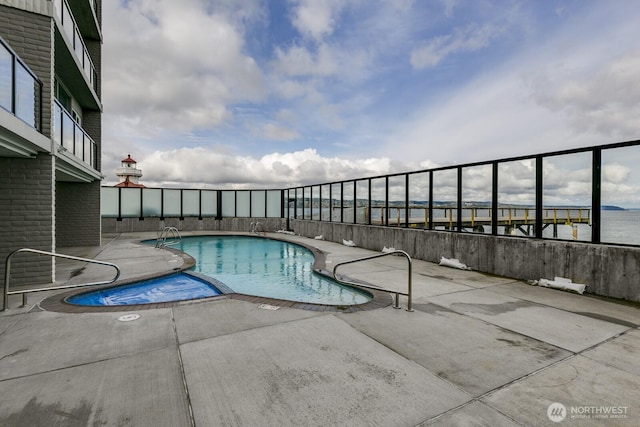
(468, 39)
(279, 133)
(299, 61)
(449, 6)
(615, 173)
(215, 168)
(316, 18)
(175, 65)
(606, 101)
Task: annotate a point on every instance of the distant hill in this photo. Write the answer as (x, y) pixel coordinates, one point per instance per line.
(612, 208)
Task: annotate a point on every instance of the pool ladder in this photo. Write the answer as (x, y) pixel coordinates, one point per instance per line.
(397, 294)
(257, 228)
(167, 237)
(24, 292)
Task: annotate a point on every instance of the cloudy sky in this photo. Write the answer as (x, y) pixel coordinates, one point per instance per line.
(269, 94)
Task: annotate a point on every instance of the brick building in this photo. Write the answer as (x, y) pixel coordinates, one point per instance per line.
(50, 130)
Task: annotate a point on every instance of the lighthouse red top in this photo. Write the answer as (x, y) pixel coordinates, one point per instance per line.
(129, 159)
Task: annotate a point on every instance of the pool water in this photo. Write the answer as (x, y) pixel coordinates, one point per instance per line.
(175, 287)
(267, 268)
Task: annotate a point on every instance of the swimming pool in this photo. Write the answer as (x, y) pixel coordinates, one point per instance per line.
(175, 287)
(235, 264)
(267, 268)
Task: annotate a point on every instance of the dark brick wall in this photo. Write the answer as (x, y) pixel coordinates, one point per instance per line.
(26, 215)
(92, 124)
(77, 214)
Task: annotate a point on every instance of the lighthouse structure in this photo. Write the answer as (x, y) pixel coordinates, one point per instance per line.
(129, 174)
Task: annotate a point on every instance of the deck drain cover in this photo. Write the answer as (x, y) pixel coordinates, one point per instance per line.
(268, 307)
(129, 317)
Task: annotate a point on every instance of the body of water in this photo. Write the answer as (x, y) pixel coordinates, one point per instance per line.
(618, 226)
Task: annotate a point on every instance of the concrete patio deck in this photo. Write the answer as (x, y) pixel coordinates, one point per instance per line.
(478, 350)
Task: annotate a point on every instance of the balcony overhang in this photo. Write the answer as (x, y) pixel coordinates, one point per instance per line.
(18, 139)
(86, 18)
(71, 169)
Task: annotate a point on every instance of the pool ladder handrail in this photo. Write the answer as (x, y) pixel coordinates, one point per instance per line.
(396, 303)
(172, 234)
(24, 292)
(255, 226)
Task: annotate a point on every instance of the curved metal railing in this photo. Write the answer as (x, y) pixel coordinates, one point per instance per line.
(396, 303)
(257, 228)
(24, 292)
(167, 237)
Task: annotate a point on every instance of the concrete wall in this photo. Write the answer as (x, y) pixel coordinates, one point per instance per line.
(612, 271)
(26, 215)
(127, 225)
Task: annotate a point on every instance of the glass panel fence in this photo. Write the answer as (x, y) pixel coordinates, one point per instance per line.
(26, 93)
(445, 199)
(274, 204)
(228, 203)
(288, 203)
(71, 136)
(209, 203)
(78, 143)
(130, 202)
(567, 184)
(621, 195)
(363, 213)
(57, 124)
(378, 201)
(258, 204)
(242, 204)
(316, 204)
(419, 199)
(306, 203)
(516, 196)
(86, 154)
(564, 183)
(171, 203)
(325, 210)
(348, 205)
(299, 202)
(397, 208)
(109, 205)
(67, 132)
(151, 202)
(190, 203)
(477, 182)
(78, 46)
(6, 77)
(67, 22)
(336, 202)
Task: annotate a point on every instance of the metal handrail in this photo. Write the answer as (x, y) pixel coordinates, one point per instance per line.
(7, 275)
(254, 228)
(168, 232)
(397, 294)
